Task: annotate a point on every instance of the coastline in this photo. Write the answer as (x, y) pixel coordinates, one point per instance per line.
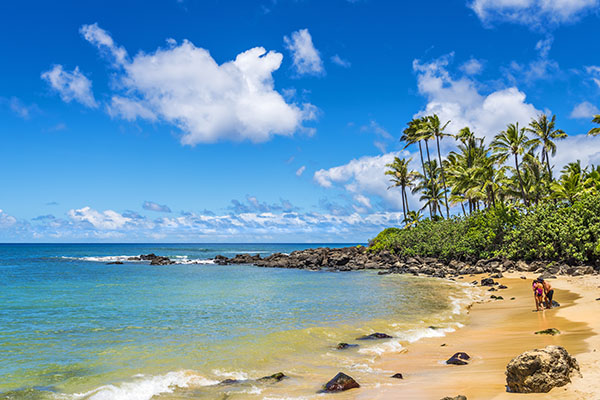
(497, 331)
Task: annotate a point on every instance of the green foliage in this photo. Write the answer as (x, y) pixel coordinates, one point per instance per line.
(550, 231)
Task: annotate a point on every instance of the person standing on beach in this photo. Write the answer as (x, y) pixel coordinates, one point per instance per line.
(548, 292)
(538, 294)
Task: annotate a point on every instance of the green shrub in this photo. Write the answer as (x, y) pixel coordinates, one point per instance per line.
(548, 231)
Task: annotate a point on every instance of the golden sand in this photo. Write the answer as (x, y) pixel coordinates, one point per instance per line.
(496, 332)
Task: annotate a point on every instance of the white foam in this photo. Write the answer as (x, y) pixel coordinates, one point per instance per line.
(102, 258)
(237, 375)
(391, 346)
(146, 387)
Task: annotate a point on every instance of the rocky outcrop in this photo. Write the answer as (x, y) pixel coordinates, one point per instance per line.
(359, 258)
(153, 258)
(540, 370)
(459, 358)
(340, 383)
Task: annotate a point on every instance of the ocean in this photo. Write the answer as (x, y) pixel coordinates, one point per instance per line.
(74, 327)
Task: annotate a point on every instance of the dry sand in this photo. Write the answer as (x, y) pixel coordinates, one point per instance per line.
(496, 332)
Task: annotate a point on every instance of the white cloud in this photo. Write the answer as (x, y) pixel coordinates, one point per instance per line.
(307, 60)
(578, 147)
(184, 86)
(585, 110)
(70, 85)
(460, 101)
(594, 72)
(336, 59)
(102, 39)
(364, 177)
(6, 220)
(472, 67)
(538, 14)
(301, 170)
(108, 219)
(18, 107)
(152, 206)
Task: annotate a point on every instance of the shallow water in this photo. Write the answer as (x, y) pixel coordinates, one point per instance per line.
(73, 327)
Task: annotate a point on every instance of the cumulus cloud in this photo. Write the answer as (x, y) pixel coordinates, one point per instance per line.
(19, 108)
(184, 86)
(537, 14)
(108, 219)
(336, 59)
(6, 220)
(539, 68)
(585, 110)
(460, 101)
(363, 177)
(306, 58)
(70, 85)
(577, 147)
(472, 67)
(152, 206)
(300, 170)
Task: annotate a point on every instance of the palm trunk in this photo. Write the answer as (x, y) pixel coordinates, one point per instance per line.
(406, 200)
(443, 177)
(521, 181)
(403, 206)
(424, 173)
(462, 204)
(548, 165)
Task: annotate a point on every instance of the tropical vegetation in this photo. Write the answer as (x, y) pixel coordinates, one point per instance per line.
(511, 203)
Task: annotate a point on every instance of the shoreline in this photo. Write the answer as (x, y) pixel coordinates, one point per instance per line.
(497, 331)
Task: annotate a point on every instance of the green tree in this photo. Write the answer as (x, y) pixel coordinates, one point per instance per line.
(513, 141)
(401, 176)
(545, 132)
(434, 128)
(410, 136)
(595, 131)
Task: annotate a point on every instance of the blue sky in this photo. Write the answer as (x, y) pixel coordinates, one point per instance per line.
(263, 121)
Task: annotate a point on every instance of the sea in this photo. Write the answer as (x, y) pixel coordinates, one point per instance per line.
(73, 326)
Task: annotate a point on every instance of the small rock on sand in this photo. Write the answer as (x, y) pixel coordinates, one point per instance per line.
(339, 383)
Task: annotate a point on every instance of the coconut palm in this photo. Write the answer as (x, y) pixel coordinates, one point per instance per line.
(401, 176)
(568, 187)
(410, 136)
(545, 132)
(435, 128)
(595, 131)
(512, 141)
(430, 189)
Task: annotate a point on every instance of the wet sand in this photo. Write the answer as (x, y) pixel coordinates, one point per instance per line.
(496, 332)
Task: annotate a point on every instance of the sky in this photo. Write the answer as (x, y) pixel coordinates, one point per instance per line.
(266, 120)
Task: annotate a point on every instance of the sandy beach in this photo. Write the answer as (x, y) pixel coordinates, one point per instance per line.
(496, 332)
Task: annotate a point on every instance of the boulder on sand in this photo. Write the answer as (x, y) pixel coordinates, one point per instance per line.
(459, 358)
(540, 370)
(459, 397)
(549, 331)
(339, 383)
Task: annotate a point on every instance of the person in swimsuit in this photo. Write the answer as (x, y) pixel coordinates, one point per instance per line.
(538, 294)
(548, 292)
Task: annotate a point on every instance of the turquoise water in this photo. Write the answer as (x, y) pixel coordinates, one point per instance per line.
(74, 327)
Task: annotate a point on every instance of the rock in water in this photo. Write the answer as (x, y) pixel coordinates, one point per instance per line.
(376, 335)
(549, 331)
(339, 383)
(272, 378)
(344, 346)
(459, 358)
(540, 370)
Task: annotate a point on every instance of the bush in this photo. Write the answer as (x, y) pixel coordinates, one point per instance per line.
(549, 231)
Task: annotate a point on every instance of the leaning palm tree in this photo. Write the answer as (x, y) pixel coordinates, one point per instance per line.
(545, 132)
(435, 128)
(401, 176)
(595, 131)
(512, 141)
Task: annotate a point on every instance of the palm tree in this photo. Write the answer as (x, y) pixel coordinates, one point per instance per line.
(401, 176)
(435, 129)
(512, 141)
(410, 136)
(431, 192)
(595, 131)
(568, 187)
(545, 131)
(412, 218)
